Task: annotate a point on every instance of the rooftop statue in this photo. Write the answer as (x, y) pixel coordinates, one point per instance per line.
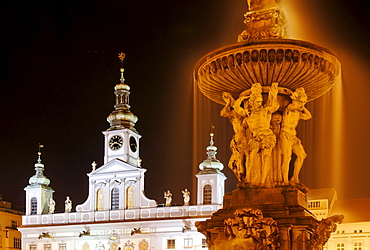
(68, 205)
(51, 206)
(168, 197)
(186, 195)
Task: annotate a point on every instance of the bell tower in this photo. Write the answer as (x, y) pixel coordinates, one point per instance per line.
(122, 139)
(38, 192)
(211, 181)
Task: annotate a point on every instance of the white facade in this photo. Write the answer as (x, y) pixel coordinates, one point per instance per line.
(116, 214)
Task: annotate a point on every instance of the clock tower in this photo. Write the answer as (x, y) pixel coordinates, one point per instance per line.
(122, 139)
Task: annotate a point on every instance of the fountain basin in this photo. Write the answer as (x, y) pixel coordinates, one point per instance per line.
(291, 63)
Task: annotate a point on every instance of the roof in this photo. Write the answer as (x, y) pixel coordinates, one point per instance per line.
(321, 193)
(354, 210)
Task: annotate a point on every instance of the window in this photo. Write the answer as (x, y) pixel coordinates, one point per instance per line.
(85, 247)
(115, 199)
(47, 246)
(62, 246)
(33, 247)
(17, 243)
(313, 204)
(171, 244)
(130, 197)
(34, 205)
(100, 199)
(357, 245)
(15, 224)
(188, 243)
(204, 243)
(207, 194)
(340, 246)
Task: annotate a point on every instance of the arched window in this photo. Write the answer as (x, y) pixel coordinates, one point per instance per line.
(100, 199)
(115, 199)
(34, 205)
(130, 197)
(207, 194)
(85, 247)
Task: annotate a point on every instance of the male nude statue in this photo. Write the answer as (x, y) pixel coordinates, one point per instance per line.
(238, 143)
(289, 141)
(258, 118)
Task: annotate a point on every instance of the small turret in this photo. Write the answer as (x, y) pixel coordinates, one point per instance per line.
(211, 163)
(38, 192)
(211, 181)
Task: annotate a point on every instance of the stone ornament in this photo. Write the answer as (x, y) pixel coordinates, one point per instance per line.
(250, 224)
(323, 230)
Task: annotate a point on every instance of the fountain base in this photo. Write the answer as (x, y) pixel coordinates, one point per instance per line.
(274, 218)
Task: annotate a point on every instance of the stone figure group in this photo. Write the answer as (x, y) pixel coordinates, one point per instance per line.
(264, 137)
(185, 194)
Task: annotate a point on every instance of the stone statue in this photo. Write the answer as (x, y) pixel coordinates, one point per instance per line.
(323, 230)
(186, 195)
(68, 205)
(258, 118)
(51, 206)
(250, 224)
(168, 197)
(238, 144)
(289, 141)
(276, 172)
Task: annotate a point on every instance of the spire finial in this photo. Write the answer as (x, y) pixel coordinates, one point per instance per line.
(122, 56)
(212, 134)
(39, 153)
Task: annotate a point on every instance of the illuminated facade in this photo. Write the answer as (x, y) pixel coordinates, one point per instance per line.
(354, 232)
(117, 214)
(10, 219)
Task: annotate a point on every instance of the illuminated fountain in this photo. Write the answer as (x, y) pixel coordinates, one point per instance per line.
(264, 82)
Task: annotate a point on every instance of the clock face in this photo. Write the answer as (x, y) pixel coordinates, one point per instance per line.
(115, 142)
(133, 144)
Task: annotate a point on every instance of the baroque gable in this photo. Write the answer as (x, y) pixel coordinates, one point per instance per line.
(115, 168)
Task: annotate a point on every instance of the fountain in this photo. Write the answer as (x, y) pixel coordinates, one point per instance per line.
(264, 82)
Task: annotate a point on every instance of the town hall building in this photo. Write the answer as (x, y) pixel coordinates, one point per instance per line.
(116, 213)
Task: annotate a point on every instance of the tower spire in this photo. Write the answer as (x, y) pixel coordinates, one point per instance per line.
(39, 178)
(122, 117)
(211, 163)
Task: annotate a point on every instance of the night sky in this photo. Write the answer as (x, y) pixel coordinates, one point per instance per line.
(59, 66)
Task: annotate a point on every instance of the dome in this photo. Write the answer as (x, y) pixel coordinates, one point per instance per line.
(39, 178)
(211, 163)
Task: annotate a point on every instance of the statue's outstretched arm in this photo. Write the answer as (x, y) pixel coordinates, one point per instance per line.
(305, 114)
(229, 103)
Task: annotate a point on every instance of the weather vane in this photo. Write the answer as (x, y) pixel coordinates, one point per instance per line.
(122, 56)
(39, 153)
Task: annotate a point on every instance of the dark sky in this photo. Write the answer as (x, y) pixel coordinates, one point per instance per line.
(59, 66)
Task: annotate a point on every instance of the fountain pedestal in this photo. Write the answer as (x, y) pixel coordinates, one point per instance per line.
(274, 218)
